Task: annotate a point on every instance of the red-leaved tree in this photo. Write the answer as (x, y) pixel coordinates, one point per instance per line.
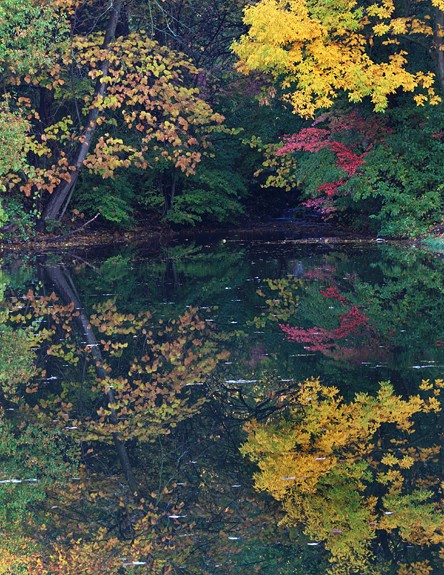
(362, 132)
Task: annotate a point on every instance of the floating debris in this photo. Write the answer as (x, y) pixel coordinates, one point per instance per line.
(422, 366)
(19, 480)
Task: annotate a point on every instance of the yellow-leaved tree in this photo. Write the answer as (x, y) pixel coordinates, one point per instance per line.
(318, 49)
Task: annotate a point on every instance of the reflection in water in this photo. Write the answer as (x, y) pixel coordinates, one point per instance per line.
(123, 408)
(350, 472)
(125, 378)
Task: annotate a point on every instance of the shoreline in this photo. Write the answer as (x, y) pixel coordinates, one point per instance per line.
(286, 232)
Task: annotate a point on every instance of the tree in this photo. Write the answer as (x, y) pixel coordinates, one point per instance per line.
(203, 30)
(89, 83)
(318, 50)
(381, 171)
(30, 34)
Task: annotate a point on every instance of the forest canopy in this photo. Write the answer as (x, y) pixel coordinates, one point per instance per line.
(317, 50)
(181, 112)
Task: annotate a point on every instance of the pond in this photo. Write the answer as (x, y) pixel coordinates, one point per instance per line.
(222, 406)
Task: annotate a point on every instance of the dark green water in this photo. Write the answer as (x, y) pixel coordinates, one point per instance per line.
(264, 318)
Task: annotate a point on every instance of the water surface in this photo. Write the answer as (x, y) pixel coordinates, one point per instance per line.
(128, 377)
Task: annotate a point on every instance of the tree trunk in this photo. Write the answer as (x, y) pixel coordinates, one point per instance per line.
(61, 280)
(438, 36)
(60, 198)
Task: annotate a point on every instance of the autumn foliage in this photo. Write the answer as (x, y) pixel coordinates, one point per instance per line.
(341, 478)
(321, 339)
(317, 51)
(101, 101)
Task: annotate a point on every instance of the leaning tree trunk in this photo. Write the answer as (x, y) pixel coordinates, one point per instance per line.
(60, 198)
(61, 280)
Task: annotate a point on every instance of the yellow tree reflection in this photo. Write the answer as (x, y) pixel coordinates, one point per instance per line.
(350, 472)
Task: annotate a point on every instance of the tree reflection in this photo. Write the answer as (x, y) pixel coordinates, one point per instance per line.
(353, 315)
(97, 380)
(353, 475)
(126, 408)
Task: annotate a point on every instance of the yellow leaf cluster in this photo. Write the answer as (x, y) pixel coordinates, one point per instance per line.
(320, 459)
(417, 568)
(318, 50)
